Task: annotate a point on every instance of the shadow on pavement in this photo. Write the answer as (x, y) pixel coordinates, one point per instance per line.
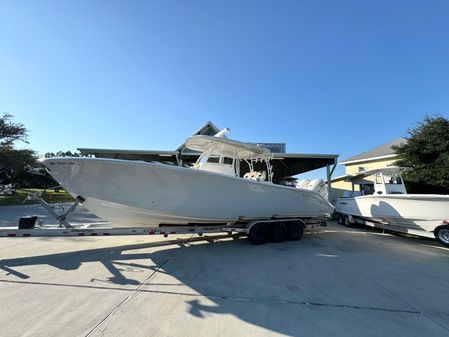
(234, 275)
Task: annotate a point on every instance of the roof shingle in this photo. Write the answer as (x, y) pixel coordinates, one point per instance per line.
(380, 151)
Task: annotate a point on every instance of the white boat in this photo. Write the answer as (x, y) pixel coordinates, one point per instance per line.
(385, 201)
(135, 193)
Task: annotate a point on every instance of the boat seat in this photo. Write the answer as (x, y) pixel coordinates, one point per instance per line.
(256, 175)
(261, 176)
(251, 175)
(247, 175)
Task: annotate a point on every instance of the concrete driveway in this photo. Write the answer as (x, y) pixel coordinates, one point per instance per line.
(336, 282)
(10, 215)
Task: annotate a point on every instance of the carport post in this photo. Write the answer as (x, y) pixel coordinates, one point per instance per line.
(329, 183)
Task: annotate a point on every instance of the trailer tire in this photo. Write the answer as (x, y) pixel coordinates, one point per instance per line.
(295, 230)
(347, 221)
(258, 234)
(278, 232)
(340, 219)
(442, 235)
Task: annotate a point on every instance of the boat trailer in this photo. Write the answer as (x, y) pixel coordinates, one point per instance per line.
(259, 231)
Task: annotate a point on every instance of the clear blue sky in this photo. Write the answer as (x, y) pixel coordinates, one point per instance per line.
(322, 76)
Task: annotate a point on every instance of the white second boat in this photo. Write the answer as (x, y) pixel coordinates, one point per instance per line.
(385, 201)
(135, 193)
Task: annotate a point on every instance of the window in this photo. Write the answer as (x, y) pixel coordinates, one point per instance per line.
(392, 179)
(213, 159)
(367, 189)
(228, 161)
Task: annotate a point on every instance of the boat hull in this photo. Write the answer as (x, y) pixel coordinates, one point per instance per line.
(407, 211)
(132, 193)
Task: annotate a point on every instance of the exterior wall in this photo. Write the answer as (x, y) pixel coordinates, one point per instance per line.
(338, 188)
(342, 185)
(369, 165)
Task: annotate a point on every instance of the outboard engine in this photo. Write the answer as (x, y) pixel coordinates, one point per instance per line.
(303, 184)
(316, 185)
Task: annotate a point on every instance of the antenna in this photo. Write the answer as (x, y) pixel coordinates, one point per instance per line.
(222, 133)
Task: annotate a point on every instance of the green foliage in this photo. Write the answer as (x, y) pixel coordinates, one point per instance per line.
(16, 159)
(19, 160)
(48, 195)
(427, 154)
(11, 132)
(62, 154)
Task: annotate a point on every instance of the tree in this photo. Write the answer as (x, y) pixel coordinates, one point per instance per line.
(11, 132)
(426, 153)
(19, 160)
(62, 154)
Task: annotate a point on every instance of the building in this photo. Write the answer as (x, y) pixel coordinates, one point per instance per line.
(285, 164)
(379, 157)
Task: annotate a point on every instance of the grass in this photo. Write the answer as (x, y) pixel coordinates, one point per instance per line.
(22, 193)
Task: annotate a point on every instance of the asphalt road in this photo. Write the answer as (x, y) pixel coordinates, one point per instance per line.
(335, 282)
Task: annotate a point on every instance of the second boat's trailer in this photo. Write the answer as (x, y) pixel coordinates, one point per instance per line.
(259, 231)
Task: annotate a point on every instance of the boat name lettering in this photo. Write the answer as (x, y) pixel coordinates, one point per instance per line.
(63, 163)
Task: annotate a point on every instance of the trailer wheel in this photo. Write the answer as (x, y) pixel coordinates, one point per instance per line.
(346, 221)
(278, 232)
(258, 234)
(295, 230)
(442, 235)
(340, 219)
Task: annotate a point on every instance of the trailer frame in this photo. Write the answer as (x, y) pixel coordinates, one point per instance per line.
(65, 229)
(348, 220)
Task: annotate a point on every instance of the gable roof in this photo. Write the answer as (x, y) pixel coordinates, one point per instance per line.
(208, 129)
(383, 151)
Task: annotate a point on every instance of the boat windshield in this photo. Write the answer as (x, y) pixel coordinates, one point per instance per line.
(392, 179)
